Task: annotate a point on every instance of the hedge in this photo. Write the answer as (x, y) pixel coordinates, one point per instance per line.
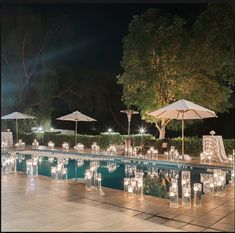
(192, 145)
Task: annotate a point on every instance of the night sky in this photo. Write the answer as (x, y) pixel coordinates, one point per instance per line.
(99, 31)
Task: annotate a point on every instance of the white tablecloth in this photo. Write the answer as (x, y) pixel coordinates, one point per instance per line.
(216, 146)
(7, 136)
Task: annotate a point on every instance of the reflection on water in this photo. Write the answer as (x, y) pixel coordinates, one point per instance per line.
(157, 177)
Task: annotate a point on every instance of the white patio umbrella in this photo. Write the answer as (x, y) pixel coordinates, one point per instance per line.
(16, 116)
(129, 113)
(183, 110)
(75, 116)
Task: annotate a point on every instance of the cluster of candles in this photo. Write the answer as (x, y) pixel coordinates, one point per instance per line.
(32, 167)
(51, 145)
(65, 146)
(95, 148)
(186, 192)
(59, 172)
(8, 162)
(93, 179)
(35, 143)
(172, 154)
(206, 156)
(215, 183)
(112, 150)
(152, 153)
(79, 147)
(20, 144)
(134, 185)
(4, 144)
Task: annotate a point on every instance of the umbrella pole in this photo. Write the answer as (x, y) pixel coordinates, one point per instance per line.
(129, 125)
(76, 127)
(183, 138)
(16, 131)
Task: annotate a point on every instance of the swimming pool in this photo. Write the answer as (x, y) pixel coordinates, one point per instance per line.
(157, 174)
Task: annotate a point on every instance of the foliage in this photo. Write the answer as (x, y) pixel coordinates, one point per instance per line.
(27, 124)
(29, 59)
(164, 61)
(152, 60)
(192, 145)
(103, 140)
(154, 186)
(210, 58)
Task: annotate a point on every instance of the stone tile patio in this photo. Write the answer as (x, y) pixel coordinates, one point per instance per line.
(43, 205)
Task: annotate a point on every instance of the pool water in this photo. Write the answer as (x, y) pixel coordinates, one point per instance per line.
(154, 186)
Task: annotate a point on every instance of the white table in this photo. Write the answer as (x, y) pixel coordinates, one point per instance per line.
(7, 136)
(216, 146)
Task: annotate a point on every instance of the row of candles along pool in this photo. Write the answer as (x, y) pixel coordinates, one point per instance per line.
(172, 155)
(213, 183)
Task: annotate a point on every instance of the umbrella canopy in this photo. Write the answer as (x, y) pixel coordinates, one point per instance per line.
(16, 116)
(129, 113)
(75, 116)
(183, 110)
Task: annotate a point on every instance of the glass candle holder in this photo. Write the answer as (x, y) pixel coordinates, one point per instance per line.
(112, 150)
(8, 164)
(134, 184)
(232, 177)
(95, 148)
(51, 145)
(32, 168)
(88, 177)
(155, 154)
(65, 146)
(125, 184)
(186, 197)
(35, 143)
(197, 188)
(130, 191)
(53, 173)
(166, 155)
(4, 145)
(185, 178)
(202, 157)
(98, 180)
(176, 155)
(79, 147)
(174, 194)
(221, 183)
(139, 184)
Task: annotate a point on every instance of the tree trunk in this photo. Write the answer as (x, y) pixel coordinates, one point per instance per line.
(161, 126)
(162, 132)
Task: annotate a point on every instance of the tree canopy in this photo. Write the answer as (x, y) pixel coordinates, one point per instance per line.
(164, 60)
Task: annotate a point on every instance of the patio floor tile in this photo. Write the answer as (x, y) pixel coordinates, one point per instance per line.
(222, 227)
(172, 223)
(192, 228)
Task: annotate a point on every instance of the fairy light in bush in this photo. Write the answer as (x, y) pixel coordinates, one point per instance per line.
(110, 130)
(142, 130)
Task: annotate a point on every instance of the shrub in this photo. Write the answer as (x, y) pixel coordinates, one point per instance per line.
(192, 145)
